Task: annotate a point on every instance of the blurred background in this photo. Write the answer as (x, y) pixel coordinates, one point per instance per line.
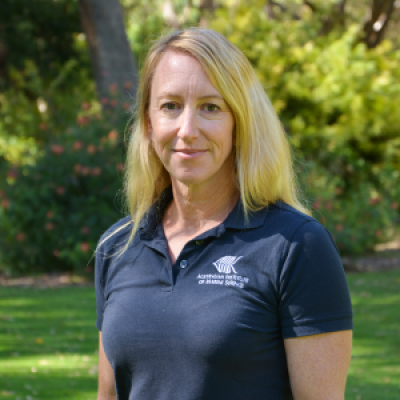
(68, 76)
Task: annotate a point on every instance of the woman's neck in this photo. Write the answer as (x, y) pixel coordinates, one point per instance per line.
(196, 209)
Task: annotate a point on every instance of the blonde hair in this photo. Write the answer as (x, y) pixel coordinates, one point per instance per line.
(264, 171)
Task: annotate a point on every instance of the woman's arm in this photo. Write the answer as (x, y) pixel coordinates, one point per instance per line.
(318, 365)
(106, 389)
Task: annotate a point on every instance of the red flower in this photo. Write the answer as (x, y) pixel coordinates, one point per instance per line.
(339, 227)
(375, 200)
(120, 167)
(316, 205)
(60, 190)
(82, 120)
(78, 145)
(85, 170)
(91, 149)
(49, 226)
(378, 233)
(329, 205)
(104, 101)
(50, 214)
(112, 135)
(57, 149)
(395, 205)
(12, 174)
(113, 88)
(114, 103)
(85, 247)
(127, 85)
(56, 253)
(86, 105)
(127, 106)
(96, 171)
(20, 236)
(85, 230)
(43, 126)
(5, 203)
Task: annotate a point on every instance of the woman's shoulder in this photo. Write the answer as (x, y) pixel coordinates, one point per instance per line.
(295, 224)
(117, 233)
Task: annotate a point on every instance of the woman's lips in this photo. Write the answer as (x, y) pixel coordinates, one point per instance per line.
(189, 153)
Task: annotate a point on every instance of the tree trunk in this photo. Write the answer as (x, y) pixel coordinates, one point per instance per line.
(377, 21)
(334, 19)
(112, 59)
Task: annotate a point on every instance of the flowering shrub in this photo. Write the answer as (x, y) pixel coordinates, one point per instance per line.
(358, 219)
(53, 212)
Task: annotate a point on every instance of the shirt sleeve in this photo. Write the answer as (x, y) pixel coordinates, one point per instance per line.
(99, 284)
(314, 295)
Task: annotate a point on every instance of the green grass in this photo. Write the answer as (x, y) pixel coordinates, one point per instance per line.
(48, 344)
(48, 341)
(375, 367)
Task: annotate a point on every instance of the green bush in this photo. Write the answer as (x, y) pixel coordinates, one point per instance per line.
(337, 101)
(336, 98)
(53, 212)
(358, 219)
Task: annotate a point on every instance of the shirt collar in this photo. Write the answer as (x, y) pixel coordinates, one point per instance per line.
(236, 219)
(153, 216)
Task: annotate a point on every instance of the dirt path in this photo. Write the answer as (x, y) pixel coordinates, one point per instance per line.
(52, 280)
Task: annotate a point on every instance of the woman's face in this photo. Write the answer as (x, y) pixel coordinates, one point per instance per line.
(190, 125)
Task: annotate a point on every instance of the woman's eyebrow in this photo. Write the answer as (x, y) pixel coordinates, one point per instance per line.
(174, 95)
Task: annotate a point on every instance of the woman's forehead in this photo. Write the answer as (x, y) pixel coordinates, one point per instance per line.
(179, 71)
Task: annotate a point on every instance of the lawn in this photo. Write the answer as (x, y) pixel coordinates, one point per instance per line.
(48, 341)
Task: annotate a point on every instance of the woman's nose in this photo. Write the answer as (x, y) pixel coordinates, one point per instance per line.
(188, 129)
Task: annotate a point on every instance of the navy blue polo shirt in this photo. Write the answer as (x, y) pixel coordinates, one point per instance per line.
(211, 325)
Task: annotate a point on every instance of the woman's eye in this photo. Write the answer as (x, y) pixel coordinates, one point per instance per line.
(211, 107)
(170, 106)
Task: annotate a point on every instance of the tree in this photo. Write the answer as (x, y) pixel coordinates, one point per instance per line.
(377, 21)
(113, 63)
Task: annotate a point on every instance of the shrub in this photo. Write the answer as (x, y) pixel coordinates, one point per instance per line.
(358, 219)
(53, 212)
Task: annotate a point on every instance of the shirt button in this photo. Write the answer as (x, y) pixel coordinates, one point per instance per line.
(183, 264)
(199, 242)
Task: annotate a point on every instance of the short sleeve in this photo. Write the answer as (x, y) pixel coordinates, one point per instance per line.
(314, 295)
(110, 244)
(99, 284)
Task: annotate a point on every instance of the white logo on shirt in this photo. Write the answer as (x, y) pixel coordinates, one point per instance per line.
(225, 264)
(226, 276)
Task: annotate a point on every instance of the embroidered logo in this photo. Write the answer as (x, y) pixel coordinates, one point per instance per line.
(225, 264)
(226, 276)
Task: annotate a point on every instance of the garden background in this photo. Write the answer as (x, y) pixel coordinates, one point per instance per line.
(68, 75)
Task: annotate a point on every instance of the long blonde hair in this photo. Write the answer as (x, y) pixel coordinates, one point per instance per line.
(264, 170)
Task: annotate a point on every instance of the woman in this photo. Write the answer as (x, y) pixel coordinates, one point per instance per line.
(218, 285)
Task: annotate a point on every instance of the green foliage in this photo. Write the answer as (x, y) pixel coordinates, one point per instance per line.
(335, 98)
(44, 72)
(53, 212)
(359, 219)
(42, 31)
(336, 101)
